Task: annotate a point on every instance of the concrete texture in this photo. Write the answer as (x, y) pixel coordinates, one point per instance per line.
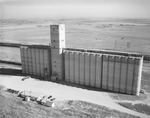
(35, 61)
(72, 67)
(57, 33)
(115, 71)
(98, 71)
(105, 71)
(67, 69)
(109, 72)
(124, 74)
(81, 65)
(76, 56)
(87, 69)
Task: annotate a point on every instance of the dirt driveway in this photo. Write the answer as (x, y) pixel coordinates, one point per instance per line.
(64, 92)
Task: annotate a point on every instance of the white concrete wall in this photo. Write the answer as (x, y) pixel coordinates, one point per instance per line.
(57, 34)
(35, 60)
(124, 74)
(72, 67)
(130, 75)
(137, 75)
(110, 72)
(67, 67)
(93, 70)
(77, 67)
(81, 68)
(98, 71)
(87, 69)
(105, 71)
(117, 73)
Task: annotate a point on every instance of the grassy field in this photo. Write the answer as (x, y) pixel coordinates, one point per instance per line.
(12, 106)
(143, 108)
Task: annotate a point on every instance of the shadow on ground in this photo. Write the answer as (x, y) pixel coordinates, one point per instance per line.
(18, 72)
(8, 71)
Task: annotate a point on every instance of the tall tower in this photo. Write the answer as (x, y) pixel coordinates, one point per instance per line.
(57, 43)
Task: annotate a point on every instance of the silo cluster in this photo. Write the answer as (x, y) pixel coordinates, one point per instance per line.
(117, 73)
(108, 70)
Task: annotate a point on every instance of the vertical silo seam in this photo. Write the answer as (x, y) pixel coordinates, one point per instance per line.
(95, 67)
(50, 60)
(102, 71)
(39, 63)
(63, 65)
(73, 67)
(114, 72)
(44, 62)
(22, 60)
(79, 70)
(133, 80)
(69, 65)
(35, 61)
(126, 75)
(90, 69)
(27, 60)
(107, 71)
(120, 73)
(31, 61)
(84, 69)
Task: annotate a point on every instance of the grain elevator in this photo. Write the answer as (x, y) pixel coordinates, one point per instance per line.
(101, 69)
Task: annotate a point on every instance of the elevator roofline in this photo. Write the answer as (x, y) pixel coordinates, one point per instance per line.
(106, 52)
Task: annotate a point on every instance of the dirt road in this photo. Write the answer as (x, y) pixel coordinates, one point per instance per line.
(63, 92)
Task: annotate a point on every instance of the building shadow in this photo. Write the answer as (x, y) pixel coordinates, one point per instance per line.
(10, 71)
(18, 72)
(87, 87)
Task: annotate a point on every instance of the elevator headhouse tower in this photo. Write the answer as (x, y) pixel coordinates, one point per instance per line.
(57, 44)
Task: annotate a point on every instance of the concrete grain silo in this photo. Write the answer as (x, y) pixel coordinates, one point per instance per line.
(101, 69)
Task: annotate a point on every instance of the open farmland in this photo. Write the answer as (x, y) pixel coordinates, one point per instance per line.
(122, 35)
(115, 34)
(110, 34)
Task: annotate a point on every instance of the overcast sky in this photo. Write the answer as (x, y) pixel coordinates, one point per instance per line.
(75, 8)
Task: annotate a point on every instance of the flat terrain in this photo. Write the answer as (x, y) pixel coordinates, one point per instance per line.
(112, 34)
(115, 34)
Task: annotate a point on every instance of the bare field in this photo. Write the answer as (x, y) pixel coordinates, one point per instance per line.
(117, 34)
(111, 34)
